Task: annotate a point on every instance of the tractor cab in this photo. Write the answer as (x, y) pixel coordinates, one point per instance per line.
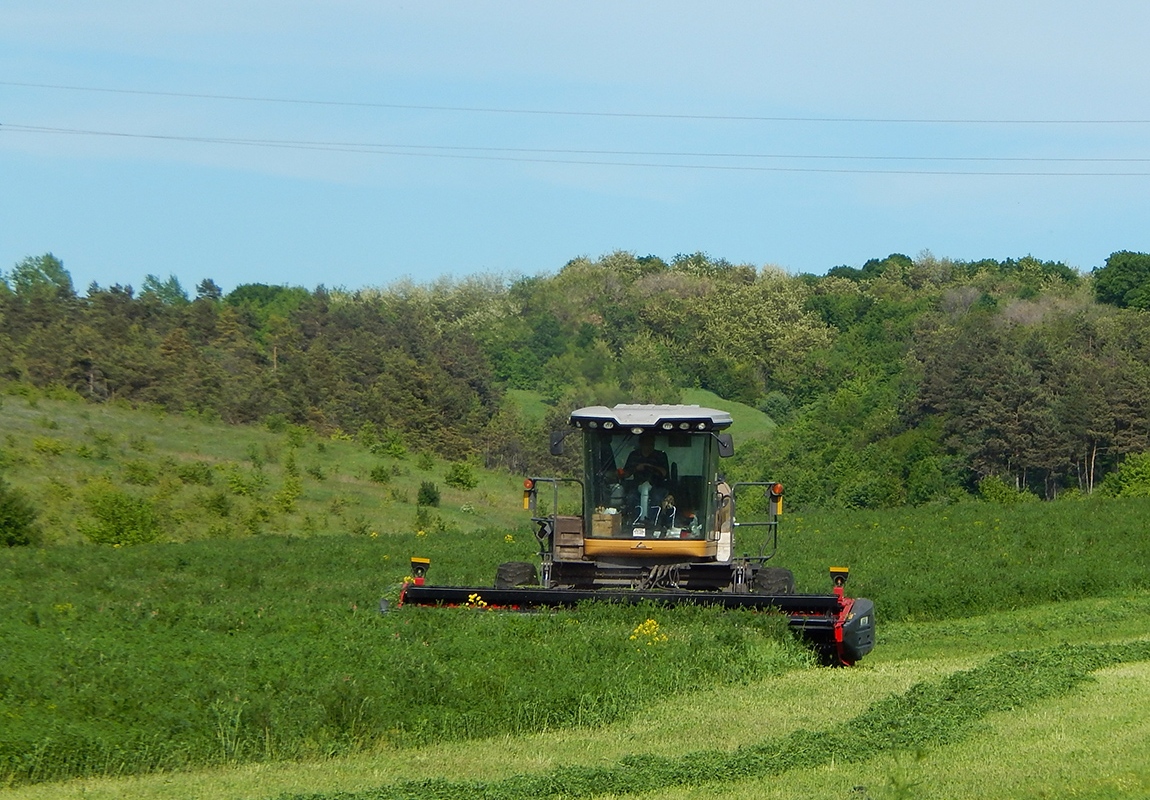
(656, 510)
(652, 485)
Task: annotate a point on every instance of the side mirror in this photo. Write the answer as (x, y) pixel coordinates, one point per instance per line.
(557, 438)
(726, 445)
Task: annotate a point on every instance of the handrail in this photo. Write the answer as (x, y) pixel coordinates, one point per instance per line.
(771, 522)
(544, 531)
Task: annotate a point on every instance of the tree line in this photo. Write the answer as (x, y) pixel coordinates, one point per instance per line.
(903, 381)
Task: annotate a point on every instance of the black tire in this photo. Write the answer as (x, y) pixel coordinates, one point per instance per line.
(516, 573)
(774, 580)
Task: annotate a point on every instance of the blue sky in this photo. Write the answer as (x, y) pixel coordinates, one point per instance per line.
(352, 143)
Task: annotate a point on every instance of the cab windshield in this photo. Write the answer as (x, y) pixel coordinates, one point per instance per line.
(650, 482)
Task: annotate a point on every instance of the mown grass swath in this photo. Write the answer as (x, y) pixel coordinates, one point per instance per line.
(929, 715)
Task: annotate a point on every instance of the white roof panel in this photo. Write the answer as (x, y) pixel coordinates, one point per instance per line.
(650, 416)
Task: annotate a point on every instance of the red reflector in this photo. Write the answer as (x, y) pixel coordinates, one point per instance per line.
(777, 489)
(528, 484)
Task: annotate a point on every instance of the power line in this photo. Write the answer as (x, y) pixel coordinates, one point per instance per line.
(562, 113)
(528, 155)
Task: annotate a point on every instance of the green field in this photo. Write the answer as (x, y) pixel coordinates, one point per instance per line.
(1013, 655)
(947, 717)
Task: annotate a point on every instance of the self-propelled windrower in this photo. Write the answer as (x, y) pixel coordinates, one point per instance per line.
(659, 524)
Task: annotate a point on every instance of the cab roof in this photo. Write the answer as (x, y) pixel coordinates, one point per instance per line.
(651, 417)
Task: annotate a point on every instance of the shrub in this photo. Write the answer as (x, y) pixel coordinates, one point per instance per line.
(461, 476)
(48, 447)
(872, 491)
(197, 472)
(104, 442)
(390, 444)
(255, 456)
(367, 436)
(244, 483)
(140, 473)
(119, 518)
(291, 468)
(257, 515)
(286, 497)
(141, 443)
(276, 423)
(218, 502)
(297, 435)
(425, 520)
(428, 494)
(11, 456)
(380, 473)
(994, 489)
(17, 517)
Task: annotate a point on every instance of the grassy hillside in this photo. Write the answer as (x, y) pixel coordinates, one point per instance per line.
(750, 423)
(181, 478)
(529, 403)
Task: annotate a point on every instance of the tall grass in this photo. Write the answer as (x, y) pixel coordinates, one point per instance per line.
(121, 660)
(940, 562)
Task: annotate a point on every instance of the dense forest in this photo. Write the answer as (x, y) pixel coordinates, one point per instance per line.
(905, 381)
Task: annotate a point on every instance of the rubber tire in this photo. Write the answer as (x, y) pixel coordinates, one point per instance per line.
(516, 573)
(774, 580)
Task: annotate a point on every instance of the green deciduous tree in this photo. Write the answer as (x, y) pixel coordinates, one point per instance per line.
(1124, 281)
(1131, 479)
(41, 277)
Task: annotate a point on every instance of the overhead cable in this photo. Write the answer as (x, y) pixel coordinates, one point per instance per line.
(579, 113)
(532, 155)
